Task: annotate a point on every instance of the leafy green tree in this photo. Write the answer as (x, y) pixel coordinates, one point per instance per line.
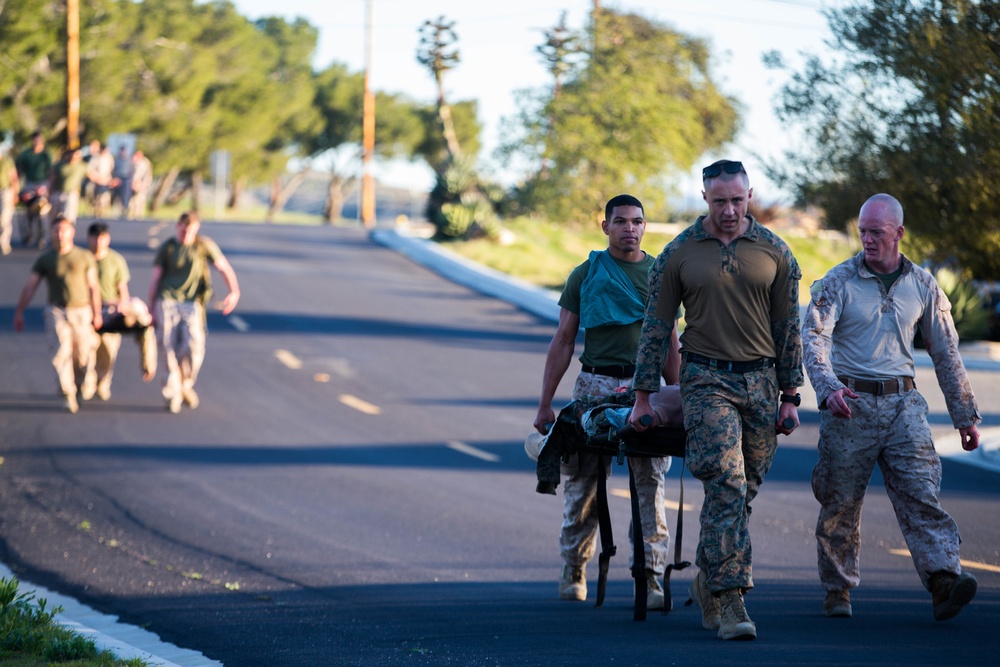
(32, 78)
(910, 106)
(399, 130)
(641, 106)
(187, 77)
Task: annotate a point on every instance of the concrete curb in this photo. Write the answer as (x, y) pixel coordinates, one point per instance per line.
(543, 303)
(125, 641)
(536, 300)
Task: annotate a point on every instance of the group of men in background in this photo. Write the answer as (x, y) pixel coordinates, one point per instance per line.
(90, 307)
(55, 188)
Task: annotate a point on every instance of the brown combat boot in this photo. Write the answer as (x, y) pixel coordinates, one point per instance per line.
(709, 604)
(573, 583)
(950, 592)
(838, 603)
(735, 623)
(654, 592)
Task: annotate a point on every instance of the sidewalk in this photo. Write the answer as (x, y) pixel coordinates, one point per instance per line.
(125, 641)
(541, 302)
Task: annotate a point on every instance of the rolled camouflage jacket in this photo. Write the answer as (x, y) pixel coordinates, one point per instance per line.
(854, 328)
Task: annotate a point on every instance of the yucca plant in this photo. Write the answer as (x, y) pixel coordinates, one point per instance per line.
(968, 307)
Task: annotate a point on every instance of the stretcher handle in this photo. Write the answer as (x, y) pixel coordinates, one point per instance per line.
(627, 429)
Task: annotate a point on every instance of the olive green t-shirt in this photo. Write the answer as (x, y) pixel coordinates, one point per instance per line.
(185, 268)
(6, 164)
(111, 272)
(34, 166)
(616, 344)
(66, 276)
(68, 176)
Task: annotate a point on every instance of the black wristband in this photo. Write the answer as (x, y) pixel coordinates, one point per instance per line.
(795, 399)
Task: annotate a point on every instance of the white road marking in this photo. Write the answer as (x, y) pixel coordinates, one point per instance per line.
(238, 323)
(669, 504)
(472, 451)
(359, 405)
(288, 359)
(971, 564)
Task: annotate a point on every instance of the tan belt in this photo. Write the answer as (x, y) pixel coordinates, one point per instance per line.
(879, 387)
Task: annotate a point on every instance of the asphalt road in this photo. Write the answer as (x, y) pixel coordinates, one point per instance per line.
(353, 489)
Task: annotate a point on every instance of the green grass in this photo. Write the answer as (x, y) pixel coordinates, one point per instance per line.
(30, 636)
(543, 253)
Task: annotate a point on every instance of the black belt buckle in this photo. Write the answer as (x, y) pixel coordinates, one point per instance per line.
(724, 366)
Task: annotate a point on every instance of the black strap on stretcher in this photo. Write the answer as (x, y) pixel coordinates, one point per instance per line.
(608, 548)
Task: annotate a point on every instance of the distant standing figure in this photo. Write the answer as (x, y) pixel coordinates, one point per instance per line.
(121, 180)
(858, 338)
(142, 181)
(34, 165)
(179, 290)
(99, 173)
(67, 182)
(73, 311)
(9, 187)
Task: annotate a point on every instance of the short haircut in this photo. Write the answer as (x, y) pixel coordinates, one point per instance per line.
(188, 217)
(56, 219)
(98, 228)
(621, 200)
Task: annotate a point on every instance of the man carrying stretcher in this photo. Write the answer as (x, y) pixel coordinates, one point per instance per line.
(606, 295)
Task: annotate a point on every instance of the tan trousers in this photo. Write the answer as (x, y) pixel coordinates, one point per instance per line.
(6, 218)
(73, 342)
(135, 313)
(67, 203)
(107, 355)
(180, 333)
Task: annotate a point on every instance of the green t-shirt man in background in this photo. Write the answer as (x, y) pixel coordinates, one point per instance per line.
(73, 312)
(120, 311)
(178, 291)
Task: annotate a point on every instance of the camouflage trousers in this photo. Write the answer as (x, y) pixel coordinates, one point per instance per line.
(578, 537)
(180, 333)
(890, 431)
(73, 343)
(731, 440)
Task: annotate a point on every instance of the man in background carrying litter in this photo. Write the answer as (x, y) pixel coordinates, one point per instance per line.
(179, 291)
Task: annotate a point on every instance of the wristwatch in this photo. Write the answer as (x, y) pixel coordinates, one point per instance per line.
(795, 399)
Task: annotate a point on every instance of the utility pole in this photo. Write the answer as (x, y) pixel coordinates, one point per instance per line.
(368, 129)
(73, 74)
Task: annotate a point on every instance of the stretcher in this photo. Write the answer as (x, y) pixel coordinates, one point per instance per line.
(599, 427)
(132, 317)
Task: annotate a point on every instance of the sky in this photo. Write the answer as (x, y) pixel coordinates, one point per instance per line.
(497, 40)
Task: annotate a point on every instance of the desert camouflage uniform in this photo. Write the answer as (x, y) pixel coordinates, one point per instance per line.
(578, 537)
(855, 329)
(729, 417)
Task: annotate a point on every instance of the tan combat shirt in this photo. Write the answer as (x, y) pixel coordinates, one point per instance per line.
(854, 328)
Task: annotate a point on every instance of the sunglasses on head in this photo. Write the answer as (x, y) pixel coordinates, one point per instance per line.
(728, 166)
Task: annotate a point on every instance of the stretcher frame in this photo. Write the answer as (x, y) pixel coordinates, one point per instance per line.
(567, 438)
